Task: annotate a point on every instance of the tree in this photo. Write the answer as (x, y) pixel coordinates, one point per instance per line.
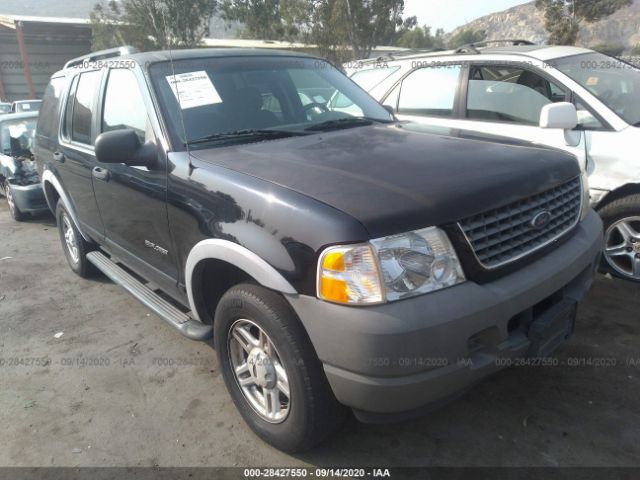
(466, 37)
(151, 24)
(347, 29)
(420, 37)
(267, 19)
(563, 17)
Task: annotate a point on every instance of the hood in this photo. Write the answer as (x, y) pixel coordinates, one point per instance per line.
(399, 177)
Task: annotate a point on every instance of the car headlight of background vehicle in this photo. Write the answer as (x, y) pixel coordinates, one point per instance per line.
(388, 269)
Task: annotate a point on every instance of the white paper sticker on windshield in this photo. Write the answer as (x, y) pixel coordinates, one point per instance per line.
(193, 89)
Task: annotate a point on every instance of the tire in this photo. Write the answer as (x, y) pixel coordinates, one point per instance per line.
(312, 412)
(69, 235)
(621, 220)
(15, 212)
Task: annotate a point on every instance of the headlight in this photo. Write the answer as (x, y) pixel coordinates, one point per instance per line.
(586, 196)
(349, 275)
(391, 268)
(417, 262)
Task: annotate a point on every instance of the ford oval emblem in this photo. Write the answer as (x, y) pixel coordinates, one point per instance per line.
(540, 220)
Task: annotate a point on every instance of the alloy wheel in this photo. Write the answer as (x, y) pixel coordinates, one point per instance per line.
(258, 371)
(622, 247)
(10, 200)
(70, 239)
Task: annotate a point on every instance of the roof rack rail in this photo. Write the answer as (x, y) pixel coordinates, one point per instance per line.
(473, 47)
(402, 53)
(101, 55)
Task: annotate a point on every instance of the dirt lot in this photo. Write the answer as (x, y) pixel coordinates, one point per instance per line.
(119, 387)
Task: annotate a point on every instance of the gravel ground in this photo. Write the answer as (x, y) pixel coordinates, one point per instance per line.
(89, 377)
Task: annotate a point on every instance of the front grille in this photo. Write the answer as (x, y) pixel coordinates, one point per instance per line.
(506, 234)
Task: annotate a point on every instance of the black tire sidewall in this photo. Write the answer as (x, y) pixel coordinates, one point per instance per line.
(293, 433)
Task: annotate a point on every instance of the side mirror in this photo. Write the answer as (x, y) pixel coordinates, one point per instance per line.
(559, 115)
(123, 146)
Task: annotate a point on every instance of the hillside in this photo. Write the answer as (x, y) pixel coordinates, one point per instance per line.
(526, 22)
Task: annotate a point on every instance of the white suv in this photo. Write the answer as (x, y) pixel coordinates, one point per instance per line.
(510, 91)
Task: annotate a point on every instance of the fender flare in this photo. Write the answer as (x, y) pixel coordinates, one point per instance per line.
(239, 256)
(48, 176)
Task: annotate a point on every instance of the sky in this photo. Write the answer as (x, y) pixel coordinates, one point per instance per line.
(449, 14)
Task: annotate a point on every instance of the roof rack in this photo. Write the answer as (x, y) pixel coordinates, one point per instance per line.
(101, 55)
(473, 47)
(402, 53)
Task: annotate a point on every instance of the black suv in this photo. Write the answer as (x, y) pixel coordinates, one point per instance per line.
(338, 257)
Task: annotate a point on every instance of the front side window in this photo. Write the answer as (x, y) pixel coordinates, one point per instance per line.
(5, 108)
(124, 106)
(430, 91)
(509, 94)
(83, 105)
(233, 99)
(613, 82)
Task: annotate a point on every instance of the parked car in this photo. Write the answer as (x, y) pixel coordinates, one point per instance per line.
(503, 89)
(342, 260)
(26, 106)
(5, 108)
(19, 180)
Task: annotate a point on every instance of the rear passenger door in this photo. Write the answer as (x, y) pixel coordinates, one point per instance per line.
(132, 200)
(74, 160)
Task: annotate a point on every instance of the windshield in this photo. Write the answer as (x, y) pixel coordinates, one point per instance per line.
(614, 82)
(240, 95)
(28, 106)
(16, 137)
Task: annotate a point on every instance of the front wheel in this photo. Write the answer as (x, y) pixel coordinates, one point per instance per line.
(622, 237)
(15, 212)
(74, 246)
(271, 370)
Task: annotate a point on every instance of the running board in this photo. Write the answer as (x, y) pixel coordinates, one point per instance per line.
(182, 322)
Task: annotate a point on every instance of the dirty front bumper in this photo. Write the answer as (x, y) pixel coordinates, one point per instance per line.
(403, 356)
(29, 198)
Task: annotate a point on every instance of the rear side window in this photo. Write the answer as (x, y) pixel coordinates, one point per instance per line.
(430, 91)
(123, 104)
(81, 107)
(48, 119)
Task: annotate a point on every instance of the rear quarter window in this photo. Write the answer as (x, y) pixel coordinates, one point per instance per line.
(50, 109)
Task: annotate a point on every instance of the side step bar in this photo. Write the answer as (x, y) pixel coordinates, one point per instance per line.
(182, 322)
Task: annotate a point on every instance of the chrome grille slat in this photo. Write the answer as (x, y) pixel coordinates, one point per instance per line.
(503, 235)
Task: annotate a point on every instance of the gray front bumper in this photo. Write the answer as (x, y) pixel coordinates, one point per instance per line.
(404, 355)
(29, 198)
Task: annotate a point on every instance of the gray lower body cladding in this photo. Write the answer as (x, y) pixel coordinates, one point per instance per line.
(405, 355)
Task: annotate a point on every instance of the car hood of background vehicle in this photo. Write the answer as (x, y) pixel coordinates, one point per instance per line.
(396, 178)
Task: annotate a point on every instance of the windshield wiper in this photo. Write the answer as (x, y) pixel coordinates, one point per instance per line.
(244, 134)
(342, 123)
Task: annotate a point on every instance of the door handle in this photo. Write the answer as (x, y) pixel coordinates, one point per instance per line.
(59, 157)
(100, 174)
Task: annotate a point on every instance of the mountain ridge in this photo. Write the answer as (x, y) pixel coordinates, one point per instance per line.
(527, 23)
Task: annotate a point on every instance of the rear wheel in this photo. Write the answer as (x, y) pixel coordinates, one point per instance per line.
(271, 370)
(622, 238)
(15, 212)
(74, 246)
